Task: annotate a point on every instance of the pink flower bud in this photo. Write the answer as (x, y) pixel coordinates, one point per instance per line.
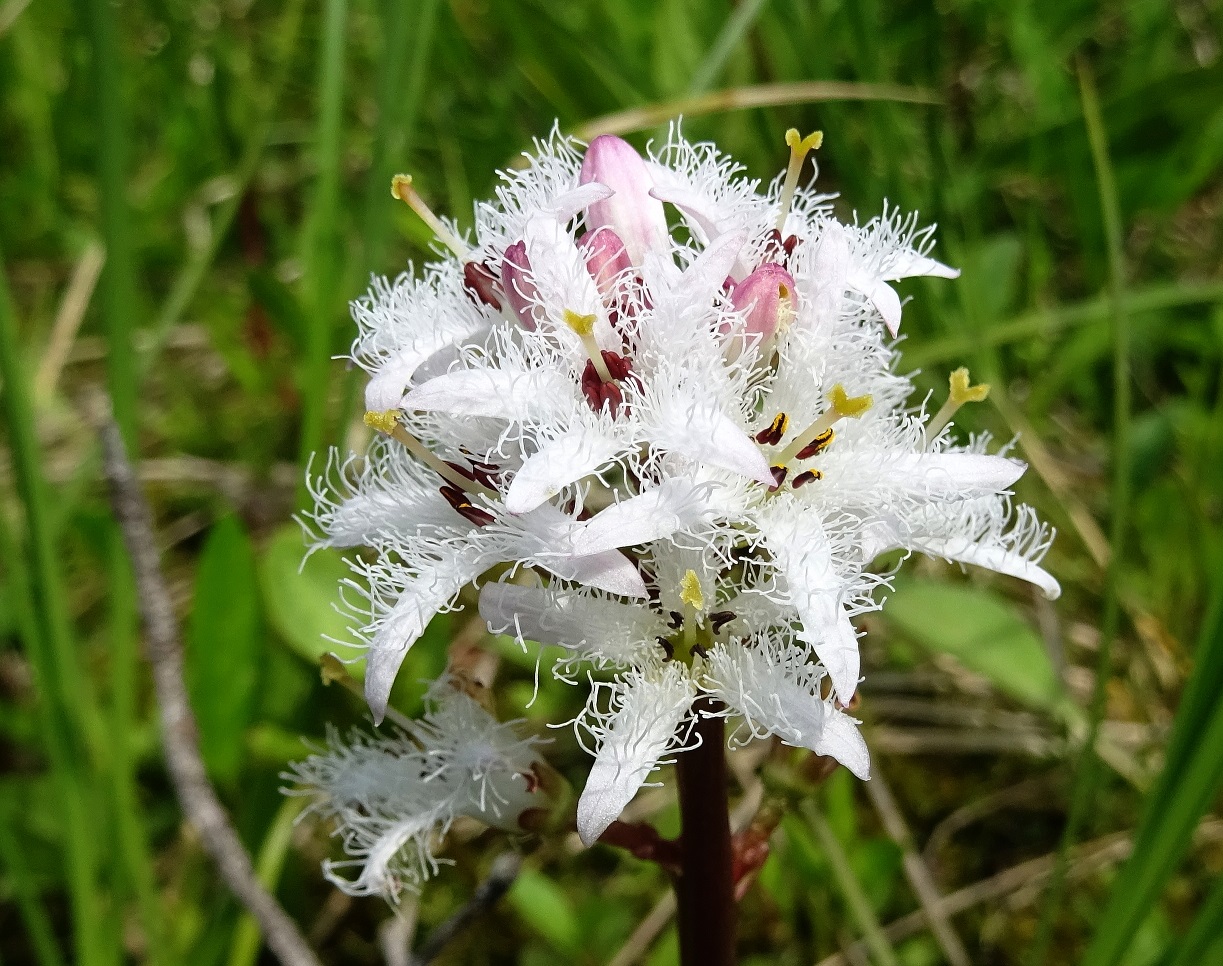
(607, 259)
(767, 297)
(631, 212)
(518, 284)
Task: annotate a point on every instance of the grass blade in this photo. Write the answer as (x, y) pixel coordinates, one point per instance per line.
(188, 280)
(737, 25)
(859, 905)
(321, 250)
(1088, 770)
(119, 310)
(65, 707)
(1193, 772)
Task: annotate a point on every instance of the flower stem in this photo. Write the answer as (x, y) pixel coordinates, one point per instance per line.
(706, 888)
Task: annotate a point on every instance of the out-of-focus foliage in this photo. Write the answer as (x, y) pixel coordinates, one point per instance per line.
(239, 154)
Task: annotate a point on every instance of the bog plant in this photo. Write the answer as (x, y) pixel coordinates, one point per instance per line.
(652, 409)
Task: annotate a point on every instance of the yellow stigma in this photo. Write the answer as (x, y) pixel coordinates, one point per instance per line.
(801, 145)
(962, 392)
(845, 405)
(401, 188)
(386, 421)
(583, 325)
(690, 591)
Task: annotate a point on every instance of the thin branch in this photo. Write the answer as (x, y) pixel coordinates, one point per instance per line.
(178, 729)
(756, 95)
(500, 878)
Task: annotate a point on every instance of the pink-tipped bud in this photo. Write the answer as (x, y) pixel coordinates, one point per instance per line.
(768, 298)
(518, 283)
(631, 212)
(607, 258)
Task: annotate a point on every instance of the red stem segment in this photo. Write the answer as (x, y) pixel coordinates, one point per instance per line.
(705, 889)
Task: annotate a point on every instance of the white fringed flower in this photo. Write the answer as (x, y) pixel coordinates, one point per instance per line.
(671, 392)
(394, 796)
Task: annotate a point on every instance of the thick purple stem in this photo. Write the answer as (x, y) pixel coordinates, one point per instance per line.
(706, 887)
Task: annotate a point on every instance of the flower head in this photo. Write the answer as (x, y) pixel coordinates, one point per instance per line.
(680, 410)
(394, 796)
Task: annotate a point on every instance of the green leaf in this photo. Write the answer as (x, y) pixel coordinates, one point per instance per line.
(301, 597)
(982, 631)
(543, 905)
(224, 654)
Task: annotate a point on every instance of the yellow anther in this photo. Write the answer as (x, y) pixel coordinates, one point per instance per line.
(801, 145)
(690, 591)
(962, 392)
(583, 325)
(845, 405)
(386, 421)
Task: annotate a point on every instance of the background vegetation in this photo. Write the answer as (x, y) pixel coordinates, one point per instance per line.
(229, 163)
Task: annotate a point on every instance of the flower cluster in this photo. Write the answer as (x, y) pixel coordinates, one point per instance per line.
(393, 796)
(666, 397)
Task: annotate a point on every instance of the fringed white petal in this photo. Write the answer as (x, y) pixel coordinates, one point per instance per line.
(591, 626)
(405, 622)
(558, 463)
(776, 690)
(673, 505)
(696, 428)
(951, 476)
(842, 740)
(638, 730)
(796, 539)
(572, 203)
(991, 557)
(885, 299)
(909, 264)
(502, 393)
(547, 539)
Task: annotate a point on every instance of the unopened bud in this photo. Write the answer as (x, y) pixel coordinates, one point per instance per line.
(518, 284)
(767, 297)
(607, 258)
(636, 216)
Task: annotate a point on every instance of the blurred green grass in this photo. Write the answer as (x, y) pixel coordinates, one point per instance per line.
(233, 159)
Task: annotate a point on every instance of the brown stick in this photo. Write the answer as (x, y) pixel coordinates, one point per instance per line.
(178, 729)
(706, 888)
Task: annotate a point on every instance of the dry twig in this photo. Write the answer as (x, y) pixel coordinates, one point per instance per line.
(178, 729)
(500, 878)
(916, 870)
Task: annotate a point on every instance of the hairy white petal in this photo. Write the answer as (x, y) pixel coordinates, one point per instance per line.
(777, 690)
(559, 462)
(673, 505)
(995, 558)
(909, 264)
(802, 553)
(698, 429)
(589, 625)
(949, 476)
(421, 599)
(648, 710)
(503, 393)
